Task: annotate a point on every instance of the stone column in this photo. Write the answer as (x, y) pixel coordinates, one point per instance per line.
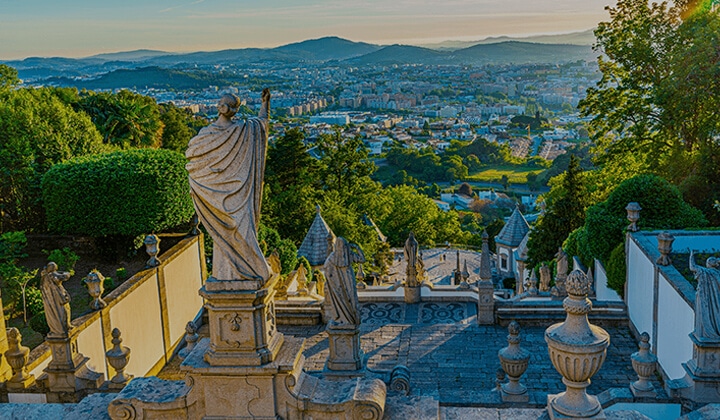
(68, 376)
(703, 370)
(520, 281)
(486, 290)
(577, 351)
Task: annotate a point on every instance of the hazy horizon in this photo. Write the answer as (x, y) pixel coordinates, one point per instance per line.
(82, 28)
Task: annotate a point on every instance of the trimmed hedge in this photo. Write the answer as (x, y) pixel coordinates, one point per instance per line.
(130, 192)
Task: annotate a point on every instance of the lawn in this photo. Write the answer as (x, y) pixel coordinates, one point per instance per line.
(516, 174)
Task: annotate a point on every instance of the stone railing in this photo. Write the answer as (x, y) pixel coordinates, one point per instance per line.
(151, 309)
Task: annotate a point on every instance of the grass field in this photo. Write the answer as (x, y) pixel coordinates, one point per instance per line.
(515, 174)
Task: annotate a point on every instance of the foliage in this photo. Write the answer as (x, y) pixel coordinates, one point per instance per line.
(121, 274)
(291, 186)
(33, 300)
(514, 174)
(124, 119)
(129, 192)
(179, 126)
(39, 324)
(64, 258)
(344, 163)
(577, 245)
(564, 213)
(616, 269)
(659, 95)
(109, 284)
(270, 241)
(12, 245)
(8, 77)
(37, 130)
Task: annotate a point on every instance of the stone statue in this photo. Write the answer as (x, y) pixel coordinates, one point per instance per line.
(707, 298)
(56, 300)
(226, 163)
(562, 263)
(414, 265)
(545, 277)
(341, 284)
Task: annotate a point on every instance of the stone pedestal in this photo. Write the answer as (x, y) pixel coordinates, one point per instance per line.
(68, 376)
(242, 322)
(5, 370)
(514, 362)
(412, 294)
(703, 371)
(345, 356)
(486, 303)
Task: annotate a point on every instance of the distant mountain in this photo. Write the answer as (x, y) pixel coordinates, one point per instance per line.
(400, 54)
(137, 55)
(521, 53)
(574, 38)
(150, 77)
(328, 48)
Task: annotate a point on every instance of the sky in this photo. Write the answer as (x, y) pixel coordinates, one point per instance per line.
(79, 28)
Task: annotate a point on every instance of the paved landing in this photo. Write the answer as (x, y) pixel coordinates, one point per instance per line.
(453, 359)
(439, 264)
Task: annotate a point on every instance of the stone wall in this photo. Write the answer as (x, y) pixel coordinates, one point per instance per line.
(660, 300)
(150, 309)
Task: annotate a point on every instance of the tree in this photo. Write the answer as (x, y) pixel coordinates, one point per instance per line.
(466, 189)
(659, 95)
(565, 212)
(124, 119)
(37, 130)
(345, 164)
(8, 77)
(179, 126)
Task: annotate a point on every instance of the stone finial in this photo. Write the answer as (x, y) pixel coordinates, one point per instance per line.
(274, 262)
(665, 242)
(118, 357)
(532, 283)
(633, 215)
(499, 379)
(95, 285)
(152, 247)
(577, 351)
(644, 364)
(191, 338)
(17, 357)
(514, 362)
(465, 271)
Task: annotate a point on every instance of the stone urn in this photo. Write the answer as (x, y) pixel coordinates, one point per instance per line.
(644, 364)
(17, 357)
(514, 361)
(665, 242)
(118, 357)
(95, 285)
(577, 350)
(633, 215)
(152, 248)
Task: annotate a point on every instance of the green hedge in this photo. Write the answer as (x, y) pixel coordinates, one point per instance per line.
(130, 192)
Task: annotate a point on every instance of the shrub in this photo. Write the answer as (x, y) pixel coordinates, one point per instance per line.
(662, 208)
(33, 301)
(108, 285)
(308, 268)
(616, 269)
(129, 193)
(577, 245)
(270, 240)
(39, 324)
(65, 259)
(121, 274)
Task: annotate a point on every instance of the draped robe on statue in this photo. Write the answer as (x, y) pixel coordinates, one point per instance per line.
(707, 301)
(226, 167)
(56, 301)
(341, 287)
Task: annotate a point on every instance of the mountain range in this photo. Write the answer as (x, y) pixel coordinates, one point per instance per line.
(88, 71)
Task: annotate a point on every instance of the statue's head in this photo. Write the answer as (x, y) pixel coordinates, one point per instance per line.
(228, 105)
(712, 262)
(51, 267)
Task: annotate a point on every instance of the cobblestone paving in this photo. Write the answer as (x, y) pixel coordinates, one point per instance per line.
(452, 358)
(439, 264)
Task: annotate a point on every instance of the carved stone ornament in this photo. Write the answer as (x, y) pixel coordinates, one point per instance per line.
(644, 364)
(514, 361)
(118, 357)
(191, 338)
(17, 357)
(94, 282)
(577, 351)
(152, 247)
(633, 215)
(665, 242)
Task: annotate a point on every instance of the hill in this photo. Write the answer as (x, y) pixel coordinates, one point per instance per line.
(151, 77)
(522, 53)
(136, 55)
(574, 38)
(328, 48)
(400, 54)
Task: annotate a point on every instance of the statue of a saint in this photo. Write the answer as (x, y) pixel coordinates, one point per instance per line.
(707, 298)
(562, 264)
(341, 284)
(226, 163)
(545, 277)
(412, 268)
(56, 300)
